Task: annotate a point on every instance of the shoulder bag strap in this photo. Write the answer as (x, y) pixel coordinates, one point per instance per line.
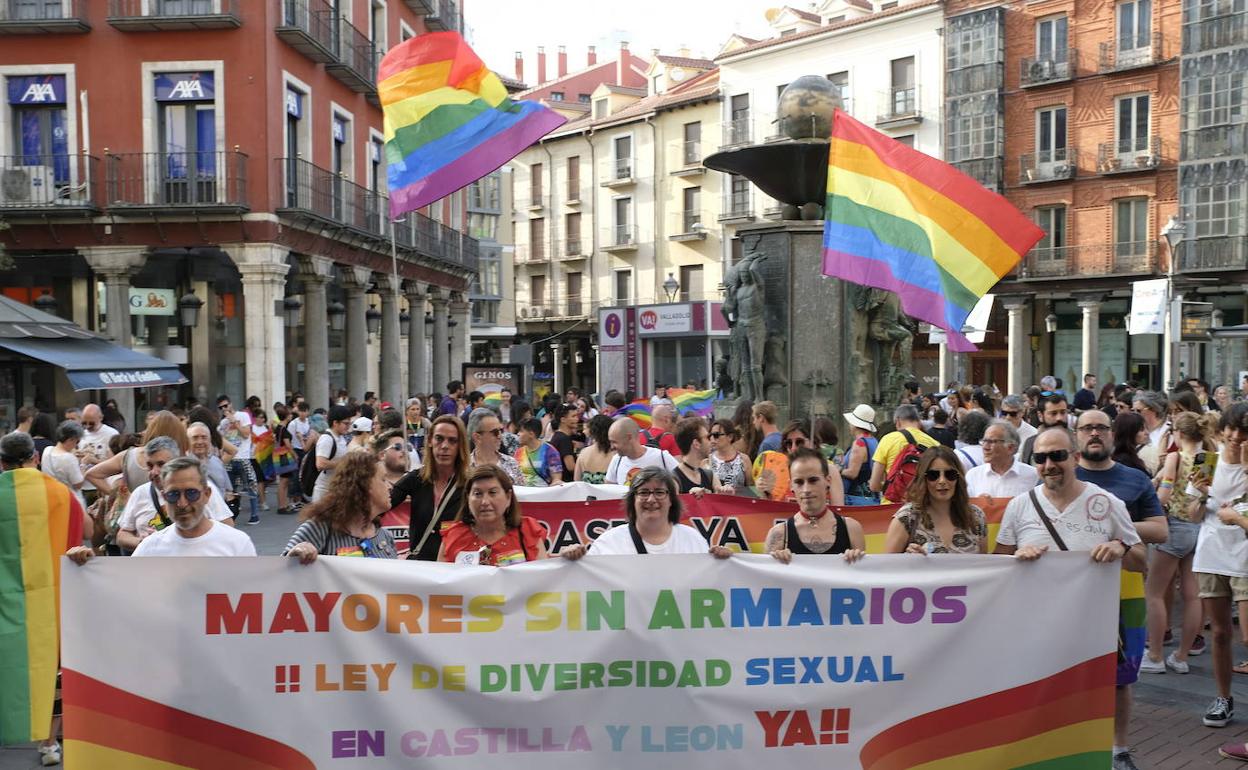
(1047, 524)
(160, 509)
(638, 543)
(433, 520)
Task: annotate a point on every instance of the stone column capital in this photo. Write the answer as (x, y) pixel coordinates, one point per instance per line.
(415, 291)
(313, 269)
(256, 253)
(1089, 301)
(439, 301)
(386, 284)
(264, 272)
(1015, 303)
(355, 278)
(114, 260)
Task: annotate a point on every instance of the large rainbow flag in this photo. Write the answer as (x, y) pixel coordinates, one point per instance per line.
(900, 220)
(39, 520)
(695, 402)
(448, 119)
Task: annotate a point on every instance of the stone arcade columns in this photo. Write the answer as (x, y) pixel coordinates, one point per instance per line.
(263, 267)
(441, 339)
(1090, 305)
(316, 273)
(460, 352)
(418, 372)
(1018, 344)
(355, 282)
(390, 380)
(114, 265)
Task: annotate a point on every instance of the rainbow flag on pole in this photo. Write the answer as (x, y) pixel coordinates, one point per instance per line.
(696, 402)
(39, 520)
(448, 119)
(900, 220)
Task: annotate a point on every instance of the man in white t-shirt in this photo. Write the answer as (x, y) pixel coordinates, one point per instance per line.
(142, 515)
(331, 447)
(300, 429)
(236, 428)
(630, 455)
(188, 495)
(93, 447)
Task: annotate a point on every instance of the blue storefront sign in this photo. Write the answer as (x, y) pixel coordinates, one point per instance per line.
(294, 103)
(37, 89)
(185, 87)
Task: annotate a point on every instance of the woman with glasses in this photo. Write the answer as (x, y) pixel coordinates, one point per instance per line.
(772, 472)
(489, 528)
(730, 466)
(595, 458)
(939, 517)
(486, 432)
(653, 510)
(342, 522)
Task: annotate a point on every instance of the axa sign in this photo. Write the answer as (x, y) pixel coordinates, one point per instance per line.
(184, 87)
(37, 89)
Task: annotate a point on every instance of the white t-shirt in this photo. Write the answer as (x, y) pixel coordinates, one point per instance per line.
(139, 512)
(1017, 480)
(622, 468)
(1094, 517)
(219, 540)
(323, 449)
(618, 542)
(298, 429)
(64, 467)
(236, 431)
(970, 455)
(93, 446)
(1222, 549)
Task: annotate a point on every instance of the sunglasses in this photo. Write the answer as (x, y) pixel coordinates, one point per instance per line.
(797, 442)
(1004, 413)
(1057, 456)
(949, 474)
(175, 495)
(715, 435)
(396, 448)
(496, 433)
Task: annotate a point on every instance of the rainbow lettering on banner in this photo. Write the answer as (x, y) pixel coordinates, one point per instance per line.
(901, 220)
(39, 520)
(448, 119)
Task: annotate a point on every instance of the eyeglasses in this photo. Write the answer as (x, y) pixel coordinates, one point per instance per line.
(792, 443)
(1004, 413)
(949, 473)
(496, 433)
(175, 495)
(657, 494)
(1057, 456)
(715, 435)
(1094, 429)
(987, 442)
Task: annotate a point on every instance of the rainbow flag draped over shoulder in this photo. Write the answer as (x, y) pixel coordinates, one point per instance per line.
(696, 402)
(900, 220)
(39, 520)
(448, 119)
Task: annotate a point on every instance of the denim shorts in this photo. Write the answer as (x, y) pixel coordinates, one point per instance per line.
(1182, 540)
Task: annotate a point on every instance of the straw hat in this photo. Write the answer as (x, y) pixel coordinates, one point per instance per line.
(863, 417)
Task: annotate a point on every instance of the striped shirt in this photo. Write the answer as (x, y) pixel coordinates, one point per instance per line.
(338, 543)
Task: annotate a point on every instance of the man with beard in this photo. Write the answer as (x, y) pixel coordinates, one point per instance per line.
(1094, 432)
(1084, 516)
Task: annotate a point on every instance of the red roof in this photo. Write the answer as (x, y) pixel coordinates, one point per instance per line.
(830, 27)
(685, 61)
(807, 15)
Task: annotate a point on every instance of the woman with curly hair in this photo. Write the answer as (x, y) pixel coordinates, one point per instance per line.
(343, 521)
(939, 517)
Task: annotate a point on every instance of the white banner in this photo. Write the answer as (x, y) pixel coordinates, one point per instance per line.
(610, 662)
(571, 492)
(1148, 307)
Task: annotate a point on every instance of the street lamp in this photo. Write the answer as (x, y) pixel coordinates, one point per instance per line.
(670, 287)
(188, 308)
(290, 311)
(337, 313)
(405, 324)
(1173, 232)
(372, 320)
(45, 302)
(428, 319)
(1050, 323)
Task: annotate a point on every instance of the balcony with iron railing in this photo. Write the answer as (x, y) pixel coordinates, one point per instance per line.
(1127, 53)
(975, 79)
(49, 184)
(574, 307)
(444, 16)
(619, 238)
(1215, 32)
(1229, 252)
(1056, 67)
(355, 59)
(1127, 156)
(532, 253)
(308, 26)
(1214, 142)
(536, 203)
(1048, 165)
(618, 172)
(899, 107)
(688, 226)
(737, 132)
(685, 158)
(1090, 260)
(207, 181)
(571, 249)
(167, 15)
(737, 207)
(23, 17)
(422, 7)
(320, 193)
(417, 234)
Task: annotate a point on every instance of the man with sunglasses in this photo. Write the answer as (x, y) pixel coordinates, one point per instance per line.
(192, 531)
(1055, 413)
(146, 510)
(1077, 516)
(1014, 411)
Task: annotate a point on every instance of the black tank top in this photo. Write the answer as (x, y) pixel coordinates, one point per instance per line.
(685, 484)
(795, 544)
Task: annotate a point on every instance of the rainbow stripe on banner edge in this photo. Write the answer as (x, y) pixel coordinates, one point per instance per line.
(1062, 722)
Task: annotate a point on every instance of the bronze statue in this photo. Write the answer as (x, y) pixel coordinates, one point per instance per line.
(745, 310)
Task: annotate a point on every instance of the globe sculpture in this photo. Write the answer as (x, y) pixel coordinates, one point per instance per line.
(805, 108)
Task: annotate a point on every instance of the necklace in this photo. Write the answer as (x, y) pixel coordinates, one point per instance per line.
(813, 521)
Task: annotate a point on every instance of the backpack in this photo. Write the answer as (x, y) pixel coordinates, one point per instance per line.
(905, 467)
(308, 472)
(653, 440)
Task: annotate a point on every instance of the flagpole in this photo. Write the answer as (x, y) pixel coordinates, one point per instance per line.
(394, 287)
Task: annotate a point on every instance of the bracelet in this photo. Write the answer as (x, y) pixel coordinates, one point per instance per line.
(1167, 484)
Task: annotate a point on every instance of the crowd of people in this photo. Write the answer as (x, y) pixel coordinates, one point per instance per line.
(1152, 481)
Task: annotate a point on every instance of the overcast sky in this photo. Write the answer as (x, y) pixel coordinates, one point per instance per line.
(498, 29)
